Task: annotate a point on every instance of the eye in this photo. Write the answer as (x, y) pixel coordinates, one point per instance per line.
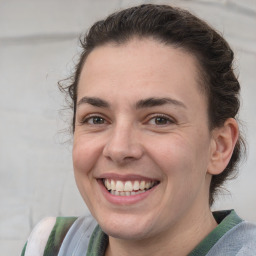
(94, 120)
(160, 120)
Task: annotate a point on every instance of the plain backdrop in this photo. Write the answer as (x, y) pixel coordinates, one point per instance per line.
(38, 47)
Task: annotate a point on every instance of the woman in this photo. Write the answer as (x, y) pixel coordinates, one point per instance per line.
(155, 104)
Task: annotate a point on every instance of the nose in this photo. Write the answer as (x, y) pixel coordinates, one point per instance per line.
(123, 145)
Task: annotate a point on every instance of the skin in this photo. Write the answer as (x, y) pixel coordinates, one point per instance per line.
(168, 142)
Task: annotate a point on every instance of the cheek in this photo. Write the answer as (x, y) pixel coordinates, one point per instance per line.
(85, 154)
(171, 153)
(84, 159)
(181, 157)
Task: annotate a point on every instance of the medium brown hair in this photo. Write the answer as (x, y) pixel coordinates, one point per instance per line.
(178, 28)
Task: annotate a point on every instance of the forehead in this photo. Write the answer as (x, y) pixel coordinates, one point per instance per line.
(139, 63)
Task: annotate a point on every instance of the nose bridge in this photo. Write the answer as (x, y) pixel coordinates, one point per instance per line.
(123, 143)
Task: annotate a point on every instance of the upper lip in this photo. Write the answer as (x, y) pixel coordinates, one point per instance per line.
(122, 177)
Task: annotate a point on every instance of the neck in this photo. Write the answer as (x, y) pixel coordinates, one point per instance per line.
(180, 240)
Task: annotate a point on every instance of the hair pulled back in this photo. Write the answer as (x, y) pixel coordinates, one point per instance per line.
(178, 28)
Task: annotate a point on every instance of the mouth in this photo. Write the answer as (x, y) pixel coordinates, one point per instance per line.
(128, 187)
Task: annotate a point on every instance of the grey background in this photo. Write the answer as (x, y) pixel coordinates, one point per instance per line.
(38, 47)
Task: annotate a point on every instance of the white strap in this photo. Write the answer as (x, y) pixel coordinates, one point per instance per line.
(39, 237)
(77, 239)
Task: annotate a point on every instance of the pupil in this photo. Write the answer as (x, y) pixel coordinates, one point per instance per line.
(161, 120)
(98, 120)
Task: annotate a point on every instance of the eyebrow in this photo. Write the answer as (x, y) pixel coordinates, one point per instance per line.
(145, 103)
(154, 102)
(97, 102)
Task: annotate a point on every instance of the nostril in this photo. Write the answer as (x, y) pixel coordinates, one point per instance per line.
(122, 153)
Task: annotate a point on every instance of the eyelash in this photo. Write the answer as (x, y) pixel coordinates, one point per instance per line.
(92, 117)
(167, 119)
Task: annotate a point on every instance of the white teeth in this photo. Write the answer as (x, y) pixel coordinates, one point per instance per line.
(113, 185)
(142, 185)
(107, 184)
(148, 185)
(127, 193)
(119, 186)
(136, 185)
(127, 188)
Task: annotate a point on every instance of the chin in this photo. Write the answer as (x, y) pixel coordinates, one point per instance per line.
(126, 228)
(125, 233)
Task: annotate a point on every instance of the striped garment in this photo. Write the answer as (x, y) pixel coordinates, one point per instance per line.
(64, 236)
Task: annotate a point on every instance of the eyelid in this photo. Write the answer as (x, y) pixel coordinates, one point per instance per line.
(155, 115)
(84, 120)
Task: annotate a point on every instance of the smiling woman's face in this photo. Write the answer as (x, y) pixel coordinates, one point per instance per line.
(142, 145)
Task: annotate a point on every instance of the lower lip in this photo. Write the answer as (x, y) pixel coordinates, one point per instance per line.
(124, 200)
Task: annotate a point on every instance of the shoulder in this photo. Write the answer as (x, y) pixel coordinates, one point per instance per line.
(245, 236)
(77, 239)
(39, 236)
(239, 241)
(47, 235)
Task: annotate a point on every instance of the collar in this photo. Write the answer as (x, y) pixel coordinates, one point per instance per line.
(226, 220)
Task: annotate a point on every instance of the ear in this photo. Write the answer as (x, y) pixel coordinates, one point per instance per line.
(223, 142)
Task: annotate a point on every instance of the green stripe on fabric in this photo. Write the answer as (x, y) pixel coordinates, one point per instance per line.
(24, 249)
(57, 235)
(98, 243)
(226, 220)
